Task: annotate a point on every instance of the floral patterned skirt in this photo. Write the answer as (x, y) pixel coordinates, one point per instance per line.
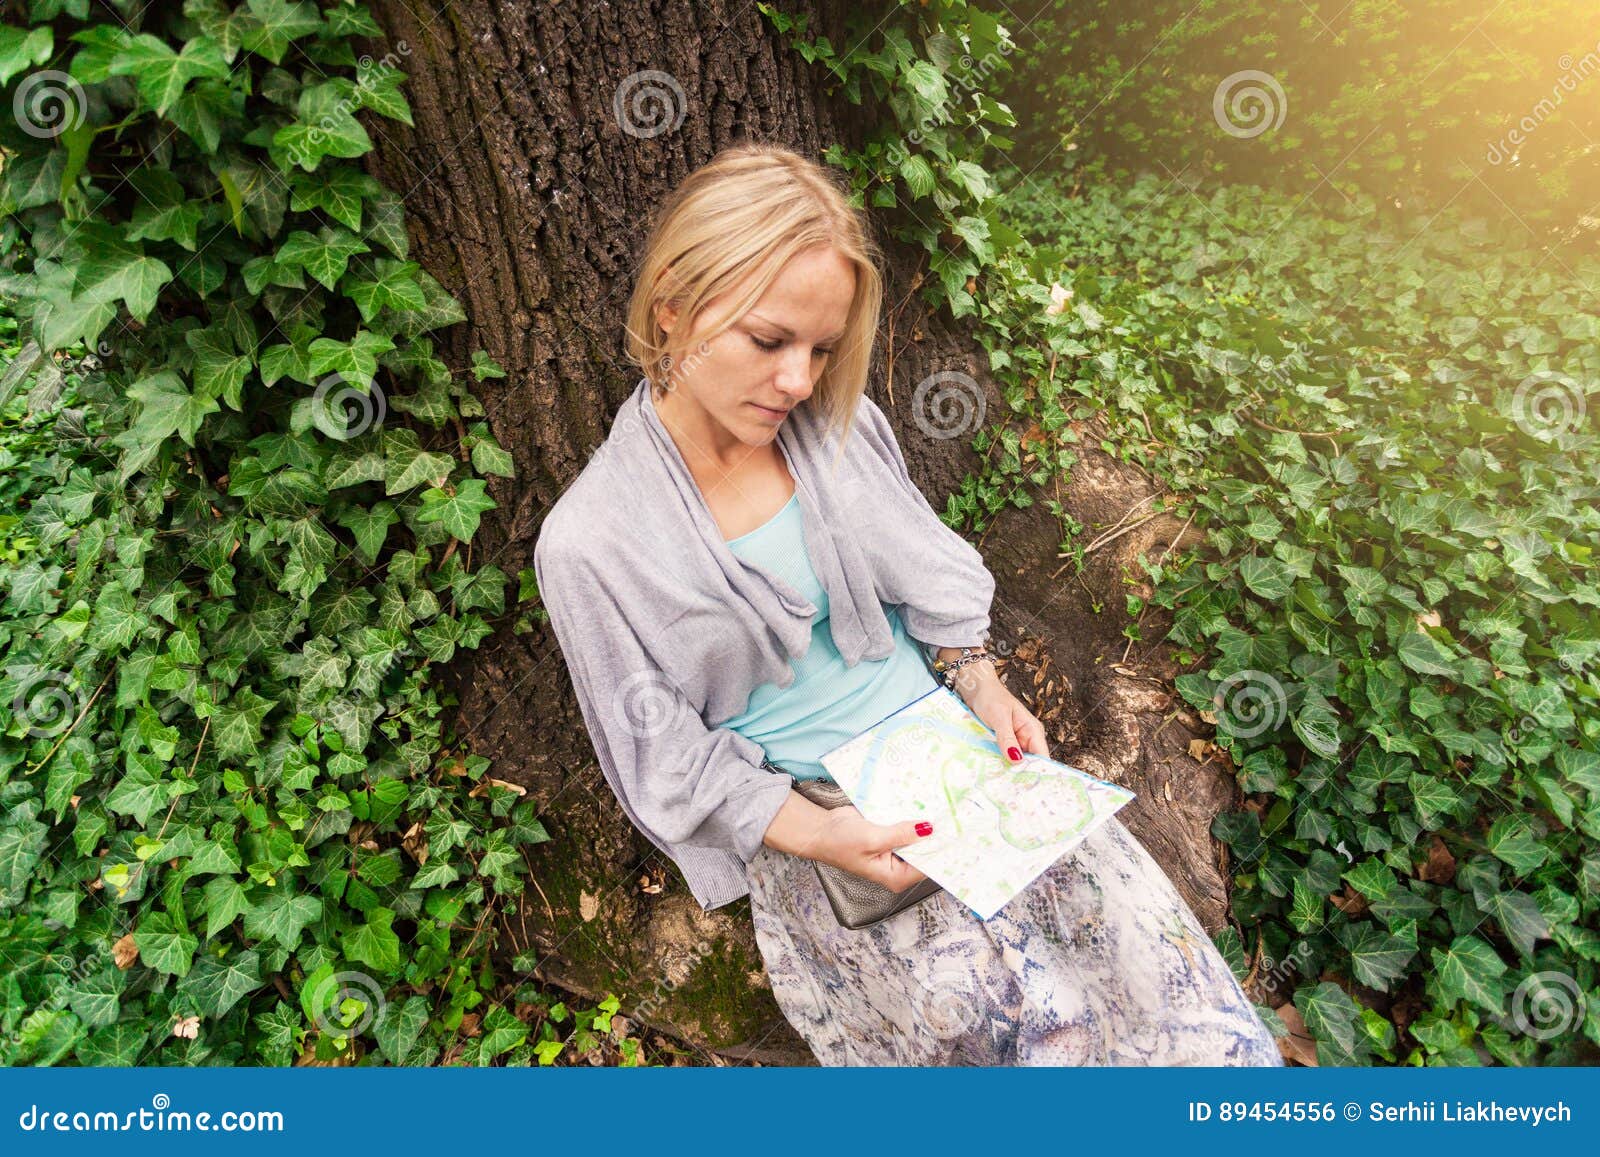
(1097, 962)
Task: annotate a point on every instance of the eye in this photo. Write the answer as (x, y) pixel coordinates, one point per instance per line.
(822, 352)
(769, 347)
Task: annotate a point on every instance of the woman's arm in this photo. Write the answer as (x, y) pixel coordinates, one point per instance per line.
(846, 839)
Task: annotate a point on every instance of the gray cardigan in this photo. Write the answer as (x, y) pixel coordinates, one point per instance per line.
(666, 631)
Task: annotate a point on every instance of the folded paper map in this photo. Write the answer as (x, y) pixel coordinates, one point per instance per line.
(996, 824)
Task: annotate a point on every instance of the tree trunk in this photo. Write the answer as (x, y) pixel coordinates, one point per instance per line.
(529, 202)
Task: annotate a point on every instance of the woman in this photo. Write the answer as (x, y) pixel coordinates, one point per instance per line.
(744, 572)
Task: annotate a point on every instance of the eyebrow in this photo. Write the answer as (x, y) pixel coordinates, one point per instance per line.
(787, 332)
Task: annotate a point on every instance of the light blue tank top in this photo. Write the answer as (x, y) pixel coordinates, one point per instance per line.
(828, 702)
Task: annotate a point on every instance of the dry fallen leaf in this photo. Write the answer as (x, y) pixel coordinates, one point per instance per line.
(415, 843)
(1298, 1045)
(1059, 296)
(1350, 902)
(188, 1027)
(483, 787)
(1441, 865)
(125, 952)
(588, 905)
(1429, 619)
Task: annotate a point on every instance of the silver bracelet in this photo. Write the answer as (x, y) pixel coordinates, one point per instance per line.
(968, 655)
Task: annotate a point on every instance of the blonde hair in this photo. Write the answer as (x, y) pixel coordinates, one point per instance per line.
(742, 215)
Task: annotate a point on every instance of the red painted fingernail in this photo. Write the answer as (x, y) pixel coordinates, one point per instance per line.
(1014, 754)
(924, 828)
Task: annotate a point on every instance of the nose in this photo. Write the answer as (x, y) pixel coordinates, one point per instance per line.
(794, 374)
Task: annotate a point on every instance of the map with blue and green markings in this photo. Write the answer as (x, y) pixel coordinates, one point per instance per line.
(996, 824)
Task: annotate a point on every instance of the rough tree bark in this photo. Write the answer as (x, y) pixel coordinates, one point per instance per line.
(529, 202)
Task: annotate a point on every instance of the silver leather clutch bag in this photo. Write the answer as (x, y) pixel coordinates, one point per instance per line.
(856, 901)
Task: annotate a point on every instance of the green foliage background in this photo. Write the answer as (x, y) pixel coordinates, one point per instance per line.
(222, 756)
(1384, 416)
(244, 490)
(1408, 102)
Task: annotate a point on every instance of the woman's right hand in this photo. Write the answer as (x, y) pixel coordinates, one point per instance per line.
(847, 839)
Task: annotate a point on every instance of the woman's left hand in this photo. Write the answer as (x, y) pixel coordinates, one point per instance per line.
(1014, 726)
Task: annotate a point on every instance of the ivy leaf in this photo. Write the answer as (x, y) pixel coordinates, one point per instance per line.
(324, 255)
(1433, 798)
(164, 946)
(22, 48)
(281, 917)
(1520, 919)
(1469, 970)
(139, 793)
(124, 273)
(278, 1029)
(279, 22)
(1379, 958)
(21, 845)
(379, 90)
(1305, 913)
(1372, 878)
(218, 370)
(97, 998)
(459, 512)
(501, 1032)
(118, 1045)
(391, 283)
(407, 464)
(223, 900)
(291, 360)
(356, 358)
(215, 985)
(374, 943)
(338, 192)
(1266, 577)
(399, 1026)
(1318, 729)
(160, 73)
(166, 408)
(1331, 1017)
(484, 366)
(312, 554)
(1511, 839)
(436, 873)
(236, 725)
(918, 175)
(489, 458)
(228, 27)
(1423, 655)
(325, 125)
(1366, 585)
(370, 526)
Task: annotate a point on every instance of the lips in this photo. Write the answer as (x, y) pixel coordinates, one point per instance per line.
(778, 411)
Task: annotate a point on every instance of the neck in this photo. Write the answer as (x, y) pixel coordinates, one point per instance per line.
(707, 448)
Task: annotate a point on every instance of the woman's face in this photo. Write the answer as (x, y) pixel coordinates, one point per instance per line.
(737, 388)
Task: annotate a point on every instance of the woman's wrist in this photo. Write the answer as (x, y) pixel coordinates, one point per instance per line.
(800, 828)
(970, 678)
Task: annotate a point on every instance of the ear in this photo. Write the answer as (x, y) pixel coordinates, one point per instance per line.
(666, 316)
